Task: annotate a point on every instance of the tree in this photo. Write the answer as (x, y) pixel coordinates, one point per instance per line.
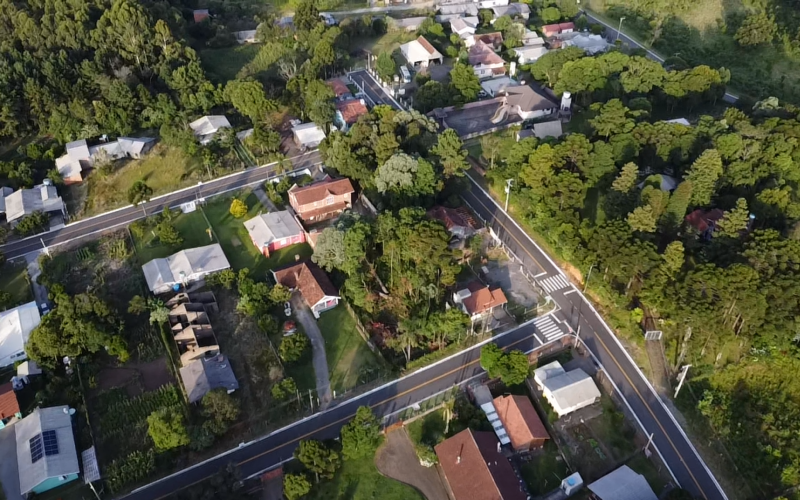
(735, 221)
(139, 192)
(451, 153)
(404, 342)
(167, 429)
(490, 147)
(238, 208)
(306, 16)
(548, 67)
(362, 435)
(385, 66)
(248, 97)
(757, 29)
(628, 176)
(396, 174)
(643, 219)
(295, 486)
(220, 406)
(463, 79)
(319, 105)
(432, 95)
(293, 347)
(167, 234)
(318, 458)
(32, 223)
(512, 367)
(285, 389)
(612, 118)
(550, 15)
(703, 175)
(678, 204)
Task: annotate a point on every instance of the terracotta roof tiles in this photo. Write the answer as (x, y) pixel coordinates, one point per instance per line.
(9, 406)
(311, 281)
(520, 420)
(318, 191)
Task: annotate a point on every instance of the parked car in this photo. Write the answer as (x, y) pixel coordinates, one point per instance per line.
(287, 309)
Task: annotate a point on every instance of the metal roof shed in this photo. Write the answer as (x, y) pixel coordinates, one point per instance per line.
(46, 453)
(622, 484)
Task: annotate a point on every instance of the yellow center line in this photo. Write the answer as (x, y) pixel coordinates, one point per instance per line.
(646, 404)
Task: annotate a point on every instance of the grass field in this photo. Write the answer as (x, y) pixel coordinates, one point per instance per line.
(236, 242)
(14, 280)
(192, 228)
(349, 358)
(223, 65)
(360, 480)
(164, 169)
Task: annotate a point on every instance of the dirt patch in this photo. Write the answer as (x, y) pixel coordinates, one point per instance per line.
(398, 460)
(152, 375)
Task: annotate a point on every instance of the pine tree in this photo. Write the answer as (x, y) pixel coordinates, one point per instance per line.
(735, 221)
(642, 219)
(626, 180)
(678, 204)
(705, 172)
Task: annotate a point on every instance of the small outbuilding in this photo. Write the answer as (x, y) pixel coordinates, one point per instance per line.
(622, 484)
(566, 391)
(420, 53)
(16, 326)
(308, 135)
(207, 127)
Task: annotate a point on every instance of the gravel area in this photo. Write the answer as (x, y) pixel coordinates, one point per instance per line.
(398, 460)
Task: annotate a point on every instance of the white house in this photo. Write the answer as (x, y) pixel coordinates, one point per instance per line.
(527, 103)
(206, 128)
(246, 36)
(485, 62)
(22, 202)
(461, 9)
(532, 39)
(566, 391)
(420, 53)
(79, 156)
(488, 4)
(478, 301)
(622, 484)
(522, 10)
(184, 267)
(311, 282)
(46, 454)
(16, 326)
(308, 135)
(464, 26)
(530, 54)
(542, 130)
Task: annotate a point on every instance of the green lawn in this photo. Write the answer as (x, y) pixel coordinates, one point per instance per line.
(192, 228)
(14, 280)
(350, 361)
(164, 169)
(223, 65)
(545, 471)
(236, 242)
(360, 480)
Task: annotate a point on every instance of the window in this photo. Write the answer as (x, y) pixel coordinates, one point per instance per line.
(329, 200)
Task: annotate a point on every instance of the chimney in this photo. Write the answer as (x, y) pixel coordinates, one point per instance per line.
(498, 447)
(458, 460)
(297, 257)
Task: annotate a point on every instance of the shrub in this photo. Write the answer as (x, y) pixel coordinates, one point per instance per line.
(167, 429)
(293, 347)
(238, 208)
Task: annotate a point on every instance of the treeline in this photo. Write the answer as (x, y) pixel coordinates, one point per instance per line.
(615, 201)
(615, 74)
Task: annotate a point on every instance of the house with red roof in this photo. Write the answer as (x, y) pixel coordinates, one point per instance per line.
(321, 200)
(311, 282)
(480, 303)
(458, 222)
(340, 89)
(348, 112)
(557, 29)
(521, 422)
(9, 406)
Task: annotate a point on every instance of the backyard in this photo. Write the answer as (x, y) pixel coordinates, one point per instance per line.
(545, 470)
(14, 281)
(192, 227)
(235, 241)
(350, 360)
(223, 65)
(164, 169)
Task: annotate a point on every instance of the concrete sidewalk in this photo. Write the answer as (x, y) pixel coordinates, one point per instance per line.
(306, 318)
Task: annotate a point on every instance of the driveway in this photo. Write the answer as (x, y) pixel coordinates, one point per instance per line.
(309, 323)
(39, 292)
(398, 460)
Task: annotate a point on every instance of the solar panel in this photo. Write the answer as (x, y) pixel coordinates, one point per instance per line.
(36, 448)
(50, 443)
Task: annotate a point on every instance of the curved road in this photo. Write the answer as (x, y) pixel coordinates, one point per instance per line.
(92, 227)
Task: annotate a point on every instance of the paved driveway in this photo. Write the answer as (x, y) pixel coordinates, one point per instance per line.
(306, 318)
(398, 460)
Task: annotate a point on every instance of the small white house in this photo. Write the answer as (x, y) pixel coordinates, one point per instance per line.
(16, 326)
(246, 36)
(184, 267)
(566, 391)
(308, 135)
(206, 128)
(464, 26)
(530, 54)
(532, 39)
(420, 53)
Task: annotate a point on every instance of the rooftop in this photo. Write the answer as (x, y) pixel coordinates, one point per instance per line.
(266, 228)
(482, 299)
(45, 447)
(622, 484)
(339, 87)
(308, 133)
(15, 327)
(206, 374)
(24, 202)
(306, 277)
(318, 191)
(208, 125)
(9, 406)
(351, 110)
(482, 54)
(527, 99)
(182, 265)
(419, 50)
(520, 420)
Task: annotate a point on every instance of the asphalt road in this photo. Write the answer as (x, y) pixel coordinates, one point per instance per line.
(276, 448)
(90, 228)
(669, 439)
(372, 88)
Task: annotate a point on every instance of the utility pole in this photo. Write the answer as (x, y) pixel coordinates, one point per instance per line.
(681, 379)
(619, 28)
(508, 191)
(646, 448)
(589, 275)
(311, 400)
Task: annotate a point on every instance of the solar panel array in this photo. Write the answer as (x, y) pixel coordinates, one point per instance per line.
(44, 444)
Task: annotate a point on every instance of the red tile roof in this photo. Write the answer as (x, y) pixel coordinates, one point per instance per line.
(8, 401)
(520, 420)
(309, 279)
(200, 14)
(339, 87)
(566, 26)
(702, 220)
(449, 216)
(426, 45)
(318, 191)
(481, 53)
(351, 110)
(494, 39)
(482, 298)
(475, 470)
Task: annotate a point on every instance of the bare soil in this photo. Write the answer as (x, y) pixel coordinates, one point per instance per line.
(398, 460)
(152, 375)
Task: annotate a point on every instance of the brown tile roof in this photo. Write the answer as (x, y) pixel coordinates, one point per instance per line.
(449, 216)
(475, 470)
(702, 220)
(482, 298)
(318, 191)
(480, 53)
(8, 401)
(351, 110)
(309, 279)
(566, 26)
(339, 87)
(493, 39)
(426, 45)
(520, 420)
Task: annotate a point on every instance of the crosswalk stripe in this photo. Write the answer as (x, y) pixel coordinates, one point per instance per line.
(554, 283)
(548, 328)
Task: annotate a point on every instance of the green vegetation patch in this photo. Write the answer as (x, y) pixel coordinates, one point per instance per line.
(360, 480)
(544, 472)
(14, 281)
(192, 228)
(223, 65)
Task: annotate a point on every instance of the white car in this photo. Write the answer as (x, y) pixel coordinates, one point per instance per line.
(287, 309)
